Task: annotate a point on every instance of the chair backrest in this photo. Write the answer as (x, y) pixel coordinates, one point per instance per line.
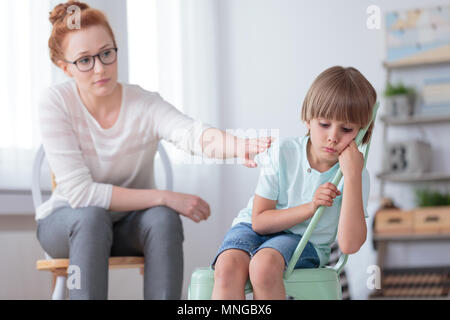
(39, 160)
(318, 214)
(40, 157)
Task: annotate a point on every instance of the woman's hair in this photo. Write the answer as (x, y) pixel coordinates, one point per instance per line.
(341, 94)
(59, 18)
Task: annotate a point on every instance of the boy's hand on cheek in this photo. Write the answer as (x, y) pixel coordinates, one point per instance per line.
(351, 160)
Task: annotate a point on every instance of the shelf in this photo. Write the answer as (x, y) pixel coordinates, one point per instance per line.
(414, 283)
(411, 177)
(411, 237)
(417, 119)
(404, 65)
(431, 58)
(408, 298)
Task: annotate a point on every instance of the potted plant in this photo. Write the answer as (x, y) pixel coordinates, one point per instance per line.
(433, 213)
(428, 198)
(399, 100)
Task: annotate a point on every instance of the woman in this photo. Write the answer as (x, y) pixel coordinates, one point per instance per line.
(100, 138)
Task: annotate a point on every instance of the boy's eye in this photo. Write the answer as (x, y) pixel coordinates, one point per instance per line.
(326, 125)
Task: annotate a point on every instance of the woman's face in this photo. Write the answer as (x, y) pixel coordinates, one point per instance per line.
(101, 80)
(330, 137)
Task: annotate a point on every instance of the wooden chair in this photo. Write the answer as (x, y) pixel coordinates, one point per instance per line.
(58, 267)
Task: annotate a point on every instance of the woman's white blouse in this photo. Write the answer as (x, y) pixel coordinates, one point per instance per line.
(88, 160)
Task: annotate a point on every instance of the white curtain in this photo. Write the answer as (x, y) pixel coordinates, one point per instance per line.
(188, 61)
(189, 72)
(181, 50)
(25, 70)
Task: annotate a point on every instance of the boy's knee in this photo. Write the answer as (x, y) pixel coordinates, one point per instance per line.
(266, 268)
(230, 268)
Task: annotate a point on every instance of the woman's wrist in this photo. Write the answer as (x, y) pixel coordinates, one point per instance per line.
(239, 147)
(164, 197)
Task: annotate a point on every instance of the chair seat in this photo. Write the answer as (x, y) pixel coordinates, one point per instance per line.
(114, 263)
(320, 283)
(298, 275)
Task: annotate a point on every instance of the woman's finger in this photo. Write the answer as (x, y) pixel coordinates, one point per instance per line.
(256, 148)
(194, 218)
(203, 210)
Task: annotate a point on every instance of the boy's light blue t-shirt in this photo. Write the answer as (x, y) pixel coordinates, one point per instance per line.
(287, 177)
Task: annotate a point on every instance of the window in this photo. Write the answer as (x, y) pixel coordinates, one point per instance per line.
(143, 44)
(26, 70)
(155, 53)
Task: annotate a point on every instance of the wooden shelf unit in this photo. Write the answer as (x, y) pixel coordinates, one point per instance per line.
(381, 241)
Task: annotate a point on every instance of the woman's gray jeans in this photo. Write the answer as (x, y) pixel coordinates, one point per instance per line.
(89, 236)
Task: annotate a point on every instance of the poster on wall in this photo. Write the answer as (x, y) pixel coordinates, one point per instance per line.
(418, 36)
(421, 36)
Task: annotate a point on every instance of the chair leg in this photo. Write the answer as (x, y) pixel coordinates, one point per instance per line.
(60, 287)
(59, 284)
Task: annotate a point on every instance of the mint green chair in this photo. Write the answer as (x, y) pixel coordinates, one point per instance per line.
(306, 284)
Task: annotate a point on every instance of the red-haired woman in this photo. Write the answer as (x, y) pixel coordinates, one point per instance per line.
(100, 137)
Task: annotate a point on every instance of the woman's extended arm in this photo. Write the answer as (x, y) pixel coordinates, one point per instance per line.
(219, 144)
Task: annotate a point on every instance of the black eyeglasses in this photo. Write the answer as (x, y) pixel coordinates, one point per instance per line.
(87, 63)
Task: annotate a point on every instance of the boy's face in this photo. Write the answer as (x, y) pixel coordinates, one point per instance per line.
(330, 137)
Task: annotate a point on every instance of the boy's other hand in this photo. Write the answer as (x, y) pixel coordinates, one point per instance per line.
(324, 196)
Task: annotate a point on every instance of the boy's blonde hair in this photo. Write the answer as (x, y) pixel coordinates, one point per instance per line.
(341, 94)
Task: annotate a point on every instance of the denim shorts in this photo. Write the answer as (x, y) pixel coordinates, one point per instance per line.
(241, 236)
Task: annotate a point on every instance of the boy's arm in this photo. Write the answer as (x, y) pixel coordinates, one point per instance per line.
(266, 220)
(352, 229)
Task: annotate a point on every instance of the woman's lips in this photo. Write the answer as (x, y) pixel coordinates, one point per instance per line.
(101, 82)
